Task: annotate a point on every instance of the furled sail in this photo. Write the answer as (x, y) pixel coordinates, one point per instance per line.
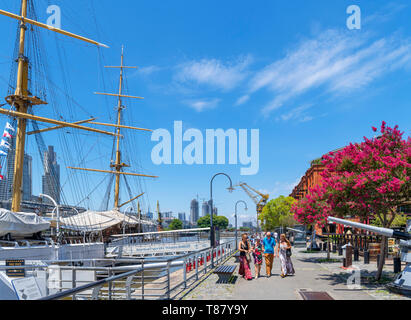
(21, 224)
(91, 221)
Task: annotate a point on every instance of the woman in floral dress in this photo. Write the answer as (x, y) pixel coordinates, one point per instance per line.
(258, 257)
(287, 267)
(245, 248)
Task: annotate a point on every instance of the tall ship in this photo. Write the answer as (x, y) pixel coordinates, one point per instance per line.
(47, 227)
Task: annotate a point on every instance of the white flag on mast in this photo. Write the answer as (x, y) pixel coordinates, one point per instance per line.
(9, 127)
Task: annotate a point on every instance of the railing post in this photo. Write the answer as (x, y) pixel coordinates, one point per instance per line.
(60, 280)
(73, 281)
(205, 262)
(96, 290)
(47, 282)
(128, 286)
(109, 284)
(185, 273)
(168, 280)
(142, 280)
(196, 262)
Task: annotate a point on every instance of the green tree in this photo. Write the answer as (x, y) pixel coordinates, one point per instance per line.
(277, 213)
(400, 220)
(220, 221)
(175, 224)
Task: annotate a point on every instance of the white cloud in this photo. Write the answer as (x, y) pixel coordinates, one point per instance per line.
(297, 114)
(148, 70)
(385, 14)
(213, 73)
(242, 100)
(201, 105)
(335, 62)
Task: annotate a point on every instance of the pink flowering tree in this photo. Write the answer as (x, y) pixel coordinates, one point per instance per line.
(313, 208)
(371, 178)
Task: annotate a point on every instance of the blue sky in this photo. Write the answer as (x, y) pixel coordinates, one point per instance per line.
(290, 69)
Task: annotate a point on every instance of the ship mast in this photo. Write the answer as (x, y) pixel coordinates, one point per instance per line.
(118, 165)
(22, 100)
(21, 103)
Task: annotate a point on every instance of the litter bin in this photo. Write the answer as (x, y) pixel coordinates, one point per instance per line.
(347, 255)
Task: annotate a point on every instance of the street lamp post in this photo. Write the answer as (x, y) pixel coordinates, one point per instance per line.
(124, 220)
(236, 232)
(57, 211)
(212, 234)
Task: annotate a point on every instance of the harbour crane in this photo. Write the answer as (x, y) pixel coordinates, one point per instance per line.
(260, 199)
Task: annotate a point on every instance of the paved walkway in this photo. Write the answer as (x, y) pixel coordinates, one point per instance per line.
(311, 275)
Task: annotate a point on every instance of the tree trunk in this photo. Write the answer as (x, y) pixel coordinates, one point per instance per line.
(382, 258)
(328, 242)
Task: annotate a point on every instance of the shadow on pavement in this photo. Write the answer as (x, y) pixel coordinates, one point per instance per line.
(230, 280)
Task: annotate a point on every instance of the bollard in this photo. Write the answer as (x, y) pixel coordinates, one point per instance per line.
(347, 254)
(366, 257)
(356, 254)
(397, 264)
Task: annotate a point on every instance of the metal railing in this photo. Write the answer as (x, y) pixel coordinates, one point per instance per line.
(162, 278)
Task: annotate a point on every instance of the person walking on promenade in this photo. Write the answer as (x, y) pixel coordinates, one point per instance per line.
(252, 240)
(258, 256)
(245, 248)
(284, 253)
(269, 254)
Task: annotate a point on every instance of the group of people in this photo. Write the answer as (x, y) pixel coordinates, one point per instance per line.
(269, 248)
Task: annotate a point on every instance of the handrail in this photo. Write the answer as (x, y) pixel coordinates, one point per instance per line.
(100, 282)
(165, 263)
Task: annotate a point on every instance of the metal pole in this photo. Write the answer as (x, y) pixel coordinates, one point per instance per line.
(196, 262)
(57, 210)
(212, 235)
(185, 273)
(73, 281)
(236, 231)
(109, 284)
(142, 280)
(168, 280)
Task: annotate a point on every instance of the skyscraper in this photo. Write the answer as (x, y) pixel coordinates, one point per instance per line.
(51, 177)
(205, 208)
(6, 185)
(182, 216)
(194, 212)
(27, 178)
(215, 211)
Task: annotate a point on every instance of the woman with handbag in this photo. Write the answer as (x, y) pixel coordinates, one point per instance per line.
(245, 248)
(284, 249)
